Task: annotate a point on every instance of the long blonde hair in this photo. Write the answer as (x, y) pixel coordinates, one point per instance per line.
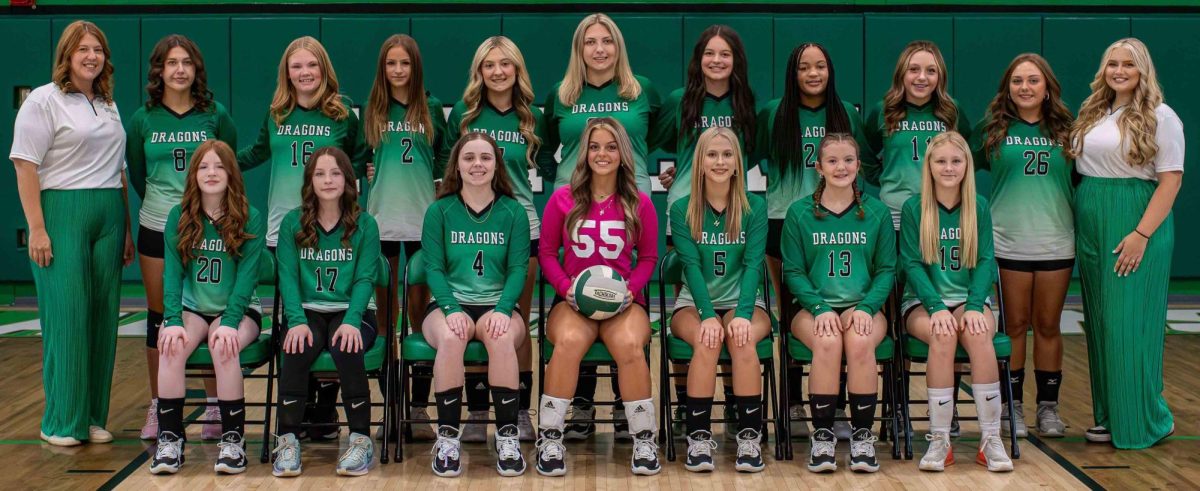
(522, 92)
(72, 36)
(380, 100)
(967, 217)
(328, 98)
(1138, 124)
(893, 101)
(572, 84)
(738, 204)
(581, 179)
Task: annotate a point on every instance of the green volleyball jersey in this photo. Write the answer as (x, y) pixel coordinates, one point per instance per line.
(407, 162)
(785, 186)
(721, 272)
(565, 124)
(287, 147)
(716, 111)
(213, 282)
(158, 149)
(839, 260)
(949, 281)
(505, 128)
(329, 276)
(1031, 193)
(476, 258)
(901, 154)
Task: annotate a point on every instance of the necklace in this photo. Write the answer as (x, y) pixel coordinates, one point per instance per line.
(471, 213)
(606, 206)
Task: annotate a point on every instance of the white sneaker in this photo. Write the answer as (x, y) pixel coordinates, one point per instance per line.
(798, 428)
(1049, 424)
(1098, 434)
(475, 432)
(1018, 422)
(841, 429)
(211, 430)
(421, 432)
(61, 441)
(97, 434)
(644, 461)
(992, 454)
(939, 455)
(150, 429)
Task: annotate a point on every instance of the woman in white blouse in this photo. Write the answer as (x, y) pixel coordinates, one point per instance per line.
(1129, 147)
(69, 152)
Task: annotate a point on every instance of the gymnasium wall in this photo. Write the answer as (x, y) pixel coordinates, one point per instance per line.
(242, 52)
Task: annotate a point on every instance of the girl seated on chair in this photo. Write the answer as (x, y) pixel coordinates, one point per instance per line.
(213, 242)
(328, 260)
(599, 219)
(476, 243)
(839, 261)
(721, 238)
(947, 255)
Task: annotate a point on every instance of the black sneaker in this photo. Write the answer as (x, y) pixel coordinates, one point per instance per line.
(580, 409)
(325, 424)
(232, 459)
(1098, 434)
(552, 453)
(954, 426)
(749, 451)
(447, 453)
(644, 461)
(821, 456)
(699, 452)
(168, 455)
(509, 460)
(621, 427)
(862, 451)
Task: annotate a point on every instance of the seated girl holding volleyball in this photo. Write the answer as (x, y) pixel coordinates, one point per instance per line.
(599, 220)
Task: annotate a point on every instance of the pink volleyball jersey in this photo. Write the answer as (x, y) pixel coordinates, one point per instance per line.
(599, 239)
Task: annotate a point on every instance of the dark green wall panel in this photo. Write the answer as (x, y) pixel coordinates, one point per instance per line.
(353, 44)
(545, 42)
(984, 46)
(886, 37)
(448, 44)
(655, 44)
(1074, 45)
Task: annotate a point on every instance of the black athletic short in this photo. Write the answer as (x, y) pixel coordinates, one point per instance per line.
(391, 248)
(150, 242)
(254, 315)
(911, 308)
(475, 312)
(774, 237)
(533, 248)
(1035, 266)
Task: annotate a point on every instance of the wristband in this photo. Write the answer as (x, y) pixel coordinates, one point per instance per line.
(1139, 232)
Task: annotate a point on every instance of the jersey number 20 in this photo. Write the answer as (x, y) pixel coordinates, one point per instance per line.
(210, 270)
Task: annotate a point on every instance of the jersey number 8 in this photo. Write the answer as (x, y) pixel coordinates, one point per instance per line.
(180, 156)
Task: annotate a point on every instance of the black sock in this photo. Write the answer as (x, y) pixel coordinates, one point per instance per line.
(506, 401)
(795, 385)
(862, 410)
(822, 410)
(699, 414)
(1016, 377)
(585, 389)
(170, 416)
(477, 392)
(526, 389)
(841, 402)
(681, 393)
(449, 406)
(358, 413)
(730, 400)
(1047, 385)
(750, 414)
(421, 381)
(233, 416)
(616, 389)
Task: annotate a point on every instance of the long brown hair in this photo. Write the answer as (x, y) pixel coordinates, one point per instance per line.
(328, 98)
(310, 205)
(235, 208)
(1056, 118)
(452, 181)
(201, 96)
(1138, 123)
(737, 205)
(893, 102)
(744, 117)
(829, 139)
(968, 218)
(581, 178)
(72, 36)
(522, 93)
(380, 99)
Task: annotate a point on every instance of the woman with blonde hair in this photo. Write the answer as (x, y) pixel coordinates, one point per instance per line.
(1129, 147)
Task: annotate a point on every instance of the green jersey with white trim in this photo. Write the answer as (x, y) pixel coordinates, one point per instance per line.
(716, 112)
(158, 149)
(476, 258)
(721, 272)
(949, 281)
(213, 282)
(407, 162)
(328, 276)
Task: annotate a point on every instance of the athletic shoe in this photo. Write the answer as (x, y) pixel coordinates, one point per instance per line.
(731, 426)
(821, 456)
(232, 458)
(1049, 424)
(862, 451)
(97, 434)
(678, 422)
(700, 446)
(1098, 434)
(525, 426)
(841, 429)
(61, 441)
(621, 427)
(287, 456)
(992, 454)
(168, 456)
(447, 452)
(644, 461)
(1018, 422)
(955, 428)
(357, 459)
(798, 428)
(211, 429)
(325, 427)
(150, 429)
(421, 432)
(509, 460)
(939, 455)
(580, 431)
(749, 453)
(475, 432)
(552, 453)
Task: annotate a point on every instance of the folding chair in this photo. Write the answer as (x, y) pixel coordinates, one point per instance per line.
(675, 350)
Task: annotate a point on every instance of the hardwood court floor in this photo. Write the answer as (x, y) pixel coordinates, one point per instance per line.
(1068, 463)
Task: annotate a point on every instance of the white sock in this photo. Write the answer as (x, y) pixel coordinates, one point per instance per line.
(552, 413)
(987, 404)
(640, 415)
(212, 401)
(941, 409)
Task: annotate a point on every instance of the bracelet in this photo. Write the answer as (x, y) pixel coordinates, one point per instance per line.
(1139, 232)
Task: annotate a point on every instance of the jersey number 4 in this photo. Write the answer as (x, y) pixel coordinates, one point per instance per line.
(839, 263)
(612, 244)
(209, 271)
(477, 265)
(328, 281)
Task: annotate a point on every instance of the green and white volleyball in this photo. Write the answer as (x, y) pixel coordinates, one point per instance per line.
(599, 292)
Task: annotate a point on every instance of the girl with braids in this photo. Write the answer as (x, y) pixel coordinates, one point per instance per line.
(722, 234)
(1021, 141)
(159, 143)
(213, 242)
(328, 259)
(839, 261)
(915, 109)
(946, 252)
(1128, 145)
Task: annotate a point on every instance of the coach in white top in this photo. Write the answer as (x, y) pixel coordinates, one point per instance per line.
(69, 151)
(1129, 147)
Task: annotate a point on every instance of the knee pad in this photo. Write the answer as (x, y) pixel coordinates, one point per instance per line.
(154, 322)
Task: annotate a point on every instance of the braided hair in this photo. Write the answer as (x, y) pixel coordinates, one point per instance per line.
(829, 139)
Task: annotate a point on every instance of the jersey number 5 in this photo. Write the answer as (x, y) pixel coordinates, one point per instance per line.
(612, 244)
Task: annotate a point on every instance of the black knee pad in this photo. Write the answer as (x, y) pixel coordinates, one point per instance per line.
(154, 322)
